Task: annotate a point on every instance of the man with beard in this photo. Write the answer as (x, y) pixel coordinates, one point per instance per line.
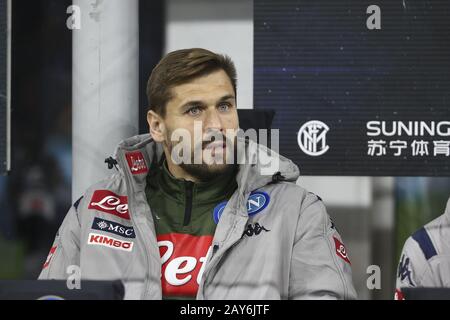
(194, 217)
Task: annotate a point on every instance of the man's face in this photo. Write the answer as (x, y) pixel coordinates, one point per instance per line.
(208, 104)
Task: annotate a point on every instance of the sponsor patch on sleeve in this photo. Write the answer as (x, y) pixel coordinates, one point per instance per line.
(109, 202)
(340, 250)
(110, 242)
(398, 295)
(113, 227)
(49, 257)
(136, 162)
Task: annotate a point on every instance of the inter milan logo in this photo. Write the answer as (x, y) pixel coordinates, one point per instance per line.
(311, 138)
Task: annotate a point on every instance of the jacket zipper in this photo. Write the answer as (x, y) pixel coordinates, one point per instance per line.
(210, 267)
(130, 192)
(189, 185)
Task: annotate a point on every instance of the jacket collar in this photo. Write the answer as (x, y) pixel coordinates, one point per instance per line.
(202, 192)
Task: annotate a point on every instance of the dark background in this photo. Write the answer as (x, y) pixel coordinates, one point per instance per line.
(3, 81)
(318, 61)
(36, 193)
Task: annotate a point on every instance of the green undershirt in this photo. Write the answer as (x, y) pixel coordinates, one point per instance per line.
(185, 207)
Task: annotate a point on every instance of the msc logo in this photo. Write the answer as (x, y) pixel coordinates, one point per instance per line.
(311, 138)
(113, 227)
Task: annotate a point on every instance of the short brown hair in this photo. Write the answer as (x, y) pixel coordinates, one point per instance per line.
(181, 66)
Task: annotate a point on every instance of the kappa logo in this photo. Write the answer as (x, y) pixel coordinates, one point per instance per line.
(255, 229)
(49, 257)
(109, 202)
(311, 138)
(404, 271)
(110, 242)
(136, 162)
(257, 201)
(113, 227)
(340, 250)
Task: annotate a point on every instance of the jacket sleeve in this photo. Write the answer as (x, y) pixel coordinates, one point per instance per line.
(320, 266)
(411, 268)
(65, 250)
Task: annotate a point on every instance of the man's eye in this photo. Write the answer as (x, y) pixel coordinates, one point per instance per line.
(194, 111)
(224, 106)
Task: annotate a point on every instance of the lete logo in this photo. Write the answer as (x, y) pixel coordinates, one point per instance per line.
(340, 250)
(109, 202)
(136, 162)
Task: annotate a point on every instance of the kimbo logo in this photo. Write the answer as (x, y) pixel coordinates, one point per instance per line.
(110, 242)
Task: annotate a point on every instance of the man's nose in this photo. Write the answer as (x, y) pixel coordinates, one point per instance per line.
(212, 120)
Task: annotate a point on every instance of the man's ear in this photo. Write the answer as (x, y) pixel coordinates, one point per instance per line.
(156, 126)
